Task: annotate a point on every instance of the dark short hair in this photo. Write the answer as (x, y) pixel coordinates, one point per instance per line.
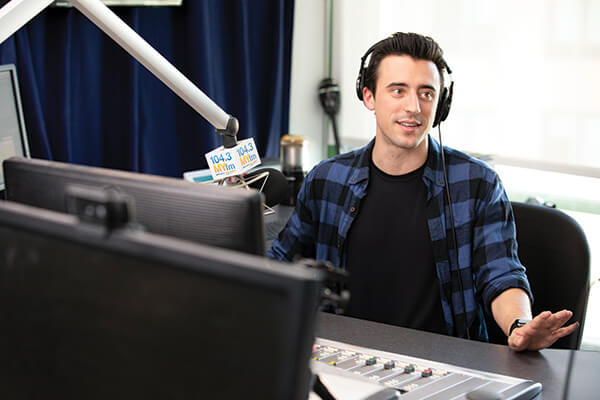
(414, 45)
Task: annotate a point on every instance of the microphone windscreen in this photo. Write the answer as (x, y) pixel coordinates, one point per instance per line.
(276, 186)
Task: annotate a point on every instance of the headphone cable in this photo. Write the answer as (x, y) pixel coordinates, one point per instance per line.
(455, 243)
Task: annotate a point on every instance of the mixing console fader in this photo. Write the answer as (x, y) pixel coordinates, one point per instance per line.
(411, 378)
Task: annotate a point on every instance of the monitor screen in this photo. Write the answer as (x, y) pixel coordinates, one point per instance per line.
(129, 314)
(13, 139)
(214, 215)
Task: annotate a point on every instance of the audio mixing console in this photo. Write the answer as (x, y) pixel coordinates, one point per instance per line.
(344, 368)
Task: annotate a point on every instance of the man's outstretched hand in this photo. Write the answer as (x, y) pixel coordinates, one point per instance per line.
(542, 331)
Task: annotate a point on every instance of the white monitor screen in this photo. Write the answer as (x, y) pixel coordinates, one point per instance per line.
(13, 138)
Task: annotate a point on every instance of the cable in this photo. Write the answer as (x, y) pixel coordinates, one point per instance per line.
(336, 137)
(455, 243)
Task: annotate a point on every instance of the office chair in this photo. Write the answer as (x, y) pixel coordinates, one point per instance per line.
(555, 252)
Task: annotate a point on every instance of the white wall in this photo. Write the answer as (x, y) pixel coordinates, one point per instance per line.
(309, 66)
(356, 28)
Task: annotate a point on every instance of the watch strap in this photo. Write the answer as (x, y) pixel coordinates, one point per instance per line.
(517, 324)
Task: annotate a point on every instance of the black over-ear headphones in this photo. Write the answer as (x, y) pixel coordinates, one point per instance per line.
(443, 107)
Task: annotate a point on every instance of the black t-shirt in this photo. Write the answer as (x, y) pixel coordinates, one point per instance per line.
(390, 258)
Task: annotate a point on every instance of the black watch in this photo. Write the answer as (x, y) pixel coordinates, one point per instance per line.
(517, 324)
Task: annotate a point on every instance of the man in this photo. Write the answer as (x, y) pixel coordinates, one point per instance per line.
(382, 213)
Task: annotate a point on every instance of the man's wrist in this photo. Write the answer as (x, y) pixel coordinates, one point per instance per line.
(518, 323)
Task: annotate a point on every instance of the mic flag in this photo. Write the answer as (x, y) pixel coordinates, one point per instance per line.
(227, 162)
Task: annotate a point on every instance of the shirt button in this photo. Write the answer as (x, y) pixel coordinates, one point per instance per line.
(353, 209)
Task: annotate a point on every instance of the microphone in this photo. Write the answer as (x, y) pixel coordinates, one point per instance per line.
(271, 182)
(329, 95)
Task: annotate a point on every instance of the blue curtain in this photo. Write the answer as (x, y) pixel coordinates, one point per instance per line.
(86, 101)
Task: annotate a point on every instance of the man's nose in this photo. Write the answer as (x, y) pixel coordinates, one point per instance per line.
(412, 104)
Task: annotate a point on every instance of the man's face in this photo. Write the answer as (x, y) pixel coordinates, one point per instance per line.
(407, 92)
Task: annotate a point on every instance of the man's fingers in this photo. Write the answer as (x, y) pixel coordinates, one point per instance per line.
(547, 320)
(567, 330)
(539, 322)
(561, 317)
(554, 336)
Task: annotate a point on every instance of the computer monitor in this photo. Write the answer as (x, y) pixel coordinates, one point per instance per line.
(218, 216)
(13, 137)
(87, 313)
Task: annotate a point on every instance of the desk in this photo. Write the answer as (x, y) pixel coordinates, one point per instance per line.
(549, 367)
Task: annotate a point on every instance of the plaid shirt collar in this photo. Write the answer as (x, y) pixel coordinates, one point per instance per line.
(433, 173)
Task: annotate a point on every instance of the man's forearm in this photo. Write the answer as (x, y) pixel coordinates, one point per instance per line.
(509, 305)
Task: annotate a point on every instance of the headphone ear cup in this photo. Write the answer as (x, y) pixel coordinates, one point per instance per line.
(360, 80)
(359, 85)
(443, 108)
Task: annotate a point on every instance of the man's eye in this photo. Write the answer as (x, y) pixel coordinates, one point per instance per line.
(427, 95)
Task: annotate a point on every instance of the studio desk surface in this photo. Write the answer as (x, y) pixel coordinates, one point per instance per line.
(548, 367)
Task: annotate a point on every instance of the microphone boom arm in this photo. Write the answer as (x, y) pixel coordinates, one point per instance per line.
(17, 13)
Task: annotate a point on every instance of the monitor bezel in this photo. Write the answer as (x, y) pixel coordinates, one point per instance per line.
(12, 70)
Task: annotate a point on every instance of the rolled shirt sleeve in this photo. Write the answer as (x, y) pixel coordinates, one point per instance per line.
(496, 263)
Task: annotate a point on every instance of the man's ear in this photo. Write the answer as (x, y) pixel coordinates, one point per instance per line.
(368, 98)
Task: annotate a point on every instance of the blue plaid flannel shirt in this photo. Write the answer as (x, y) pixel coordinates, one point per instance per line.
(329, 201)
